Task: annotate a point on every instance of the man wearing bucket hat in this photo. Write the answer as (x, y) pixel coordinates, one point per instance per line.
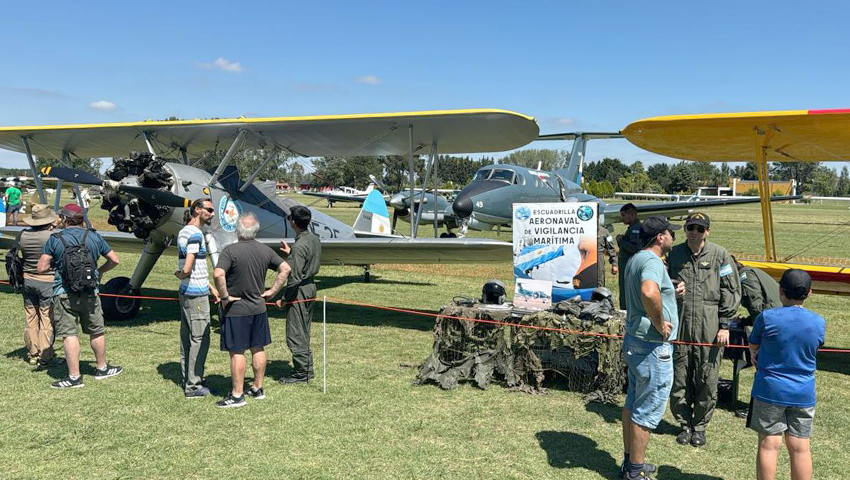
(712, 295)
(38, 287)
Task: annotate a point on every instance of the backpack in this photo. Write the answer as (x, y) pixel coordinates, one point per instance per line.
(15, 266)
(78, 270)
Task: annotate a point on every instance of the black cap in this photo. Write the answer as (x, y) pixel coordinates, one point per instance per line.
(796, 283)
(652, 226)
(698, 218)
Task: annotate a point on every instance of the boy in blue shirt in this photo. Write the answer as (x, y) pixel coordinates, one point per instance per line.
(784, 344)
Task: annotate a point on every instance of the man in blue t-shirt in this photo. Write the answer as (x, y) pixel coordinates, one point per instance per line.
(652, 322)
(784, 345)
(70, 309)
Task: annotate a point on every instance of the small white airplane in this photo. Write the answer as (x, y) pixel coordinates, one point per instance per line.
(343, 194)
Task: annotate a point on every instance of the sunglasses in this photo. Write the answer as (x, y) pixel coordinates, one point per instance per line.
(210, 209)
(672, 235)
(693, 227)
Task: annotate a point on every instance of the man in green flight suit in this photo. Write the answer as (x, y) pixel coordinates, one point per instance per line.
(303, 257)
(628, 243)
(707, 301)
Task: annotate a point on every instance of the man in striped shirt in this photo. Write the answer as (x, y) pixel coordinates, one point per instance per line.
(194, 291)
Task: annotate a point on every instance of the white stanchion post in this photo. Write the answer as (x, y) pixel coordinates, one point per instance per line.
(324, 344)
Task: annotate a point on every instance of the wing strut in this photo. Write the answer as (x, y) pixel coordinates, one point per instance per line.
(413, 225)
(256, 172)
(762, 139)
(148, 143)
(35, 174)
(432, 162)
(65, 160)
(227, 157)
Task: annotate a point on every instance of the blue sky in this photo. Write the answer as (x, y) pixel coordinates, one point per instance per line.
(573, 65)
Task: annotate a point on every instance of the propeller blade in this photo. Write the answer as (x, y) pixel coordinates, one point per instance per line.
(395, 218)
(71, 175)
(160, 197)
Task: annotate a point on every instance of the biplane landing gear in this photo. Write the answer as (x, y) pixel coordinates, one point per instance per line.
(116, 308)
(367, 273)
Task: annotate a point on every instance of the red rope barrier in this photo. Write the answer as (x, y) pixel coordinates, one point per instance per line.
(477, 320)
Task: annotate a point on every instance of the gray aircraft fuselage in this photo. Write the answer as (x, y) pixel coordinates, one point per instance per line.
(489, 197)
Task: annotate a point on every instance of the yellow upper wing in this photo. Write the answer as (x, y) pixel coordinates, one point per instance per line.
(787, 136)
(454, 131)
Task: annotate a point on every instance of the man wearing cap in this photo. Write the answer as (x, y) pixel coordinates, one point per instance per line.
(12, 197)
(713, 292)
(784, 345)
(38, 287)
(651, 324)
(72, 309)
(628, 243)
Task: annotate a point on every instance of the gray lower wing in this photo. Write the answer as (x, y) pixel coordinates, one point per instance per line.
(673, 209)
(368, 251)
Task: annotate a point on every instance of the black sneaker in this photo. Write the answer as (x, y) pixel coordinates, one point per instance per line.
(648, 468)
(684, 437)
(200, 392)
(698, 439)
(294, 379)
(68, 382)
(256, 393)
(107, 371)
(642, 475)
(231, 402)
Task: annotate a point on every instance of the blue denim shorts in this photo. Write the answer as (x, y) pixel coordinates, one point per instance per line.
(650, 379)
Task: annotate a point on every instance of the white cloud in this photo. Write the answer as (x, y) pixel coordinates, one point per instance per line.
(103, 106)
(222, 63)
(369, 80)
(563, 122)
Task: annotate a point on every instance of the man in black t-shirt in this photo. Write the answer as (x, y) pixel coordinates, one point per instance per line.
(240, 276)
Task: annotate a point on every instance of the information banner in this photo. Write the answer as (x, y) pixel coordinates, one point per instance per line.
(555, 243)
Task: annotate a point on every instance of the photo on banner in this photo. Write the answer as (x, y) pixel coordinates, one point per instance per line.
(554, 243)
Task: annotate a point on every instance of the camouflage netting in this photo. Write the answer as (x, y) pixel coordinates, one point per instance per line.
(466, 350)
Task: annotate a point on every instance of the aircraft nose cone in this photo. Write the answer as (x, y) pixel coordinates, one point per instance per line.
(397, 201)
(462, 205)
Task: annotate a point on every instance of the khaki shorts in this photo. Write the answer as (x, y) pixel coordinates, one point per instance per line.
(70, 309)
(771, 419)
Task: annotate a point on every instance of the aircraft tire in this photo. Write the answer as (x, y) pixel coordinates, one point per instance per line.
(119, 309)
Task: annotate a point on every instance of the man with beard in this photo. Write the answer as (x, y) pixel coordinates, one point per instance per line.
(194, 302)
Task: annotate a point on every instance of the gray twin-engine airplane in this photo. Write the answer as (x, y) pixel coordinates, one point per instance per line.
(488, 199)
(146, 196)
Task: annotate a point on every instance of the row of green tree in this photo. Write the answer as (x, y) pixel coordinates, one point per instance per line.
(608, 175)
(602, 178)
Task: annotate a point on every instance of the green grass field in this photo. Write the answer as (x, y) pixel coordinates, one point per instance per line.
(372, 423)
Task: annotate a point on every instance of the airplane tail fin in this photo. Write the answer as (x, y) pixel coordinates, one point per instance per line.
(575, 164)
(370, 188)
(374, 218)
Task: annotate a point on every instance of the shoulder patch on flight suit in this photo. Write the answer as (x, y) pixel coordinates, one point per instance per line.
(725, 270)
(743, 275)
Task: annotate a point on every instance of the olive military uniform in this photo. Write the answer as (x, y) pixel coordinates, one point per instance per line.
(713, 293)
(604, 248)
(629, 243)
(759, 292)
(304, 258)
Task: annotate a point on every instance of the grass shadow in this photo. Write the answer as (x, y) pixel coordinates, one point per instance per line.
(665, 471)
(20, 353)
(336, 281)
(834, 362)
(171, 371)
(276, 369)
(571, 450)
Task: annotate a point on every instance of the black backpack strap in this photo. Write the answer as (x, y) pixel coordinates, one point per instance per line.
(59, 236)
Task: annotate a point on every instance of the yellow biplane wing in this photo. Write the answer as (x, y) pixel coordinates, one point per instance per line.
(760, 137)
(783, 136)
(454, 131)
